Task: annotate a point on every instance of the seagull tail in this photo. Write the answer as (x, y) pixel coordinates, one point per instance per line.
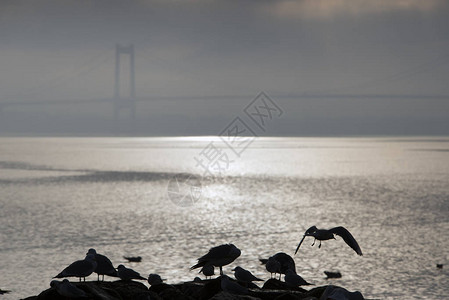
(198, 265)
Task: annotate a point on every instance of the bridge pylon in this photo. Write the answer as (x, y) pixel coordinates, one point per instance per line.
(127, 102)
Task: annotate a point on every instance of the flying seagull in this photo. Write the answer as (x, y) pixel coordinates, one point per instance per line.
(80, 268)
(127, 274)
(218, 256)
(328, 234)
(104, 265)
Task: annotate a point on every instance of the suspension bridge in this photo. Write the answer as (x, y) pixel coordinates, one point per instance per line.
(126, 104)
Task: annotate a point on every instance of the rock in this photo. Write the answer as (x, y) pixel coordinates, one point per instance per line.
(339, 293)
(204, 290)
(275, 284)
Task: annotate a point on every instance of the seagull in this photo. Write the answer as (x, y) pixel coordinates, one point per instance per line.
(219, 256)
(244, 276)
(232, 287)
(155, 279)
(293, 279)
(133, 258)
(285, 261)
(208, 271)
(4, 292)
(79, 268)
(67, 289)
(104, 265)
(331, 274)
(273, 266)
(127, 274)
(323, 234)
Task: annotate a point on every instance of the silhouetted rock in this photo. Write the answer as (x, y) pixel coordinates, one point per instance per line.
(275, 284)
(204, 290)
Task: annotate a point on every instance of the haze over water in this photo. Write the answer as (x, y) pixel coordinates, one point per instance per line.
(62, 196)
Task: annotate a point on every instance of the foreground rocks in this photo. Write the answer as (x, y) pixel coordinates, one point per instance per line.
(201, 290)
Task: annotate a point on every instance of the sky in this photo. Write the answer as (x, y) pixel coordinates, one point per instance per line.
(200, 62)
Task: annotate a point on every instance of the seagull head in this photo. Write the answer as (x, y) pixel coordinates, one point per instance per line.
(311, 230)
(91, 251)
(235, 252)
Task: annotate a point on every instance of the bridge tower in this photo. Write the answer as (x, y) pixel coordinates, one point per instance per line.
(129, 102)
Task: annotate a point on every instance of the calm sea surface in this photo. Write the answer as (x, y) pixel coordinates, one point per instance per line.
(61, 196)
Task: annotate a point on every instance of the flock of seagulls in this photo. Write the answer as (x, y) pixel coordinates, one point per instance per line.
(217, 257)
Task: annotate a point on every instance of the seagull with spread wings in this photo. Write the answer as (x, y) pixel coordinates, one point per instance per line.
(328, 234)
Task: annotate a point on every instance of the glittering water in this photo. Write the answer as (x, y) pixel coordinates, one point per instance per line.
(62, 196)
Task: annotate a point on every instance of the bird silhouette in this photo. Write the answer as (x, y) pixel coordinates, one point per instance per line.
(104, 265)
(80, 268)
(218, 256)
(328, 234)
(244, 276)
(127, 274)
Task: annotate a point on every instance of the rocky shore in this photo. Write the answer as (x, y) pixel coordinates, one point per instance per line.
(198, 289)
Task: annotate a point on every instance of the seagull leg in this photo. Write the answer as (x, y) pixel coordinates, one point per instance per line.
(221, 271)
(98, 277)
(314, 242)
(319, 246)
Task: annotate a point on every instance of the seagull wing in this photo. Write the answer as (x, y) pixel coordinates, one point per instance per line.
(347, 237)
(299, 245)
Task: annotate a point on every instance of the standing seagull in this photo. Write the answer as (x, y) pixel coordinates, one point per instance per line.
(79, 268)
(273, 266)
(284, 260)
(218, 256)
(244, 276)
(67, 289)
(293, 279)
(128, 274)
(104, 265)
(208, 271)
(324, 234)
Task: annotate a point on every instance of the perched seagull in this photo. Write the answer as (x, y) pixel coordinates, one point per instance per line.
(208, 271)
(127, 274)
(66, 289)
(155, 279)
(79, 268)
(324, 234)
(104, 265)
(218, 256)
(244, 276)
(285, 261)
(273, 266)
(293, 279)
(232, 287)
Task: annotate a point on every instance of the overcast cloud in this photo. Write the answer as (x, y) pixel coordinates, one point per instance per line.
(64, 50)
